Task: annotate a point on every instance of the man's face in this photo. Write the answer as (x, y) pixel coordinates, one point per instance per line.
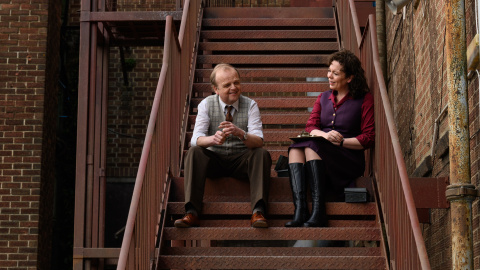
(228, 85)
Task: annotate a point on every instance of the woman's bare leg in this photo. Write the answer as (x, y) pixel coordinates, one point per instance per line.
(296, 155)
(310, 154)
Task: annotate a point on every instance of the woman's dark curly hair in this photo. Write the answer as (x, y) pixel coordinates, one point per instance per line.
(351, 66)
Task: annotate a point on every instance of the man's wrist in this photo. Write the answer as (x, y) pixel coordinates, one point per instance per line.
(341, 142)
(243, 136)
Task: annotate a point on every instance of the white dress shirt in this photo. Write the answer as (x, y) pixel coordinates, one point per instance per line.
(203, 120)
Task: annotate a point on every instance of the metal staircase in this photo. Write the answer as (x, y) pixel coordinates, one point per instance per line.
(281, 55)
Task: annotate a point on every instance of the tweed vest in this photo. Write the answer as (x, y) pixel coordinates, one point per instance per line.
(345, 119)
(233, 144)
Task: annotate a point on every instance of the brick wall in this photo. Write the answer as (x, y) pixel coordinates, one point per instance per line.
(418, 91)
(23, 34)
(130, 104)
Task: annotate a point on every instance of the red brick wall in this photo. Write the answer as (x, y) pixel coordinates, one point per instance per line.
(130, 106)
(418, 91)
(23, 33)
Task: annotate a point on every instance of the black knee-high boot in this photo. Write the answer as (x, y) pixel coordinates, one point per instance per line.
(299, 192)
(315, 174)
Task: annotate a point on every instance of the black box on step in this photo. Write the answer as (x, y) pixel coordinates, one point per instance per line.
(356, 195)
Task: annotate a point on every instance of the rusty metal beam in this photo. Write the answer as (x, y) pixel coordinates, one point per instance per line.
(129, 16)
(459, 141)
(91, 253)
(429, 192)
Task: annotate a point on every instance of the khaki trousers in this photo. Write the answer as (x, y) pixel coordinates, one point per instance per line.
(200, 163)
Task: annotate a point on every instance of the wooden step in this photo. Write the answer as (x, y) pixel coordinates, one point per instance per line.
(272, 262)
(271, 87)
(269, 12)
(268, 34)
(271, 72)
(277, 22)
(268, 46)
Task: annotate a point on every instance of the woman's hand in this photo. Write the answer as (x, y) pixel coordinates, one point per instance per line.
(332, 136)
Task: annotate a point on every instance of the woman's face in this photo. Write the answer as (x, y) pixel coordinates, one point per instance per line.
(337, 78)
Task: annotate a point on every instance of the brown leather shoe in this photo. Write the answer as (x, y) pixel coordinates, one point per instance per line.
(189, 220)
(258, 221)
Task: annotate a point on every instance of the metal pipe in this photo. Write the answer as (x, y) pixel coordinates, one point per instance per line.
(381, 36)
(459, 192)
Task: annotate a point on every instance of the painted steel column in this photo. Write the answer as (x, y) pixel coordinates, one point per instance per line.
(459, 191)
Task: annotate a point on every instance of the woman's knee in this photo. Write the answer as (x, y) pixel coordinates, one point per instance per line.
(296, 155)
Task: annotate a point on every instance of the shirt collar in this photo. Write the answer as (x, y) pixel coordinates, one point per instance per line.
(332, 98)
(223, 104)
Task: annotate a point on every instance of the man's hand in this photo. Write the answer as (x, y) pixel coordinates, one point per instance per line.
(218, 138)
(229, 128)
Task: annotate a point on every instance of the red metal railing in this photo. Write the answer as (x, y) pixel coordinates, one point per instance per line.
(163, 143)
(405, 241)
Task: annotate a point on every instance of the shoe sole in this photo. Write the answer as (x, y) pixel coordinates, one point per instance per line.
(183, 225)
(260, 224)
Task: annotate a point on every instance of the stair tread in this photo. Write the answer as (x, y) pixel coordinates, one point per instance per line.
(274, 208)
(268, 34)
(268, 12)
(274, 262)
(279, 87)
(274, 251)
(287, 118)
(276, 102)
(299, 72)
(311, 59)
(268, 46)
(275, 222)
(275, 233)
(255, 22)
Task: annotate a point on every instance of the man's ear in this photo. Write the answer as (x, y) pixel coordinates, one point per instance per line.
(215, 89)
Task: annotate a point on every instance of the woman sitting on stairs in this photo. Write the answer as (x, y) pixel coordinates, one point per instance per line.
(342, 124)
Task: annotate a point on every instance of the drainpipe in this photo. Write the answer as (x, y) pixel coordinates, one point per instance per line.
(381, 36)
(460, 192)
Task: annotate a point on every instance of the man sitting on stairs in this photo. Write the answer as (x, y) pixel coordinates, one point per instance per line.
(227, 141)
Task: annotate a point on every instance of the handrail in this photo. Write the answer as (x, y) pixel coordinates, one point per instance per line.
(161, 151)
(406, 244)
